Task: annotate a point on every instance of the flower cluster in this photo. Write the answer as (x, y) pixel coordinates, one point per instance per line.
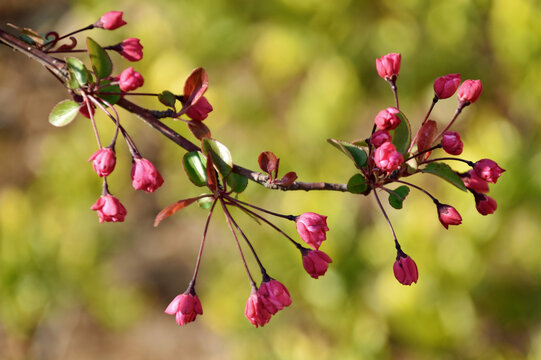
(394, 154)
(389, 155)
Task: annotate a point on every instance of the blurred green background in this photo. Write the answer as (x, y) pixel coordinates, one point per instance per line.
(284, 76)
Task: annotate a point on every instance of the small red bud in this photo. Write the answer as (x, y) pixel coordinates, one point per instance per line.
(103, 161)
(387, 158)
(387, 119)
(469, 91)
(488, 170)
(109, 209)
(315, 262)
(484, 204)
(448, 215)
(451, 143)
(130, 49)
(110, 21)
(388, 66)
(405, 270)
(445, 86)
(185, 307)
(312, 228)
(130, 80)
(380, 137)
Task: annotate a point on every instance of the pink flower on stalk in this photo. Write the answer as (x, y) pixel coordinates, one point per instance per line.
(469, 91)
(451, 143)
(109, 209)
(387, 158)
(380, 137)
(103, 161)
(484, 204)
(445, 86)
(273, 295)
(488, 170)
(388, 66)
(474, 182)
(315, 262)
(405, 270)
(130, 49)
(200, 110)
(448, 215)
(387, 119)
(312, 228)
(110, 21)
(130, 80)
(145, 176)
(254, 310)
(185, 307)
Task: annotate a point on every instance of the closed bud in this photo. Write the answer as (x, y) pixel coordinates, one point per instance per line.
(387, 158)
(488, 170)
(312, 228)
(185, 307)
(445, 86)
(448, 215)
(274, 296)
(254, 311)
(451, 143)
(145, 176)
(103, 161)
(387, 119)
(110, 21)
(469, 91)
(474, 182)
(130, 80)
(380, 137)
(388, 66)
(315, 262)
(130, 49)
(109, 209)
(484, 204)
(405, 270)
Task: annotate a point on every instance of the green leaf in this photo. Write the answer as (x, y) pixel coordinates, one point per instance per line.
(101, 63)
(402, 135)
(398, 195)
(237, 182)
(357, 184)
(195, 166)
(205, 203)
(64, 112)
(167, 98)
(354, 152)
(220, 155)
(445, 172)
(79, 74)
(111, 99)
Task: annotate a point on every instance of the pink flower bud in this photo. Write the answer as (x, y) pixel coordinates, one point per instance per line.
(274, 296)
(315, 262)
(130, 49)
(445, 86)
(254, 310)
(145, 176)
(103, 161)
(451, 143)
(109, 209)
(200, 110)
(312, 228)
(110, 21)
(488, 170)
(389, 66)
(484, 204)
(448, 215)
(130, 80)
(405, 270)
(474, 182)
(387, 119)
(469, 91)
(380, 137)
(185, 307)
(387, 158)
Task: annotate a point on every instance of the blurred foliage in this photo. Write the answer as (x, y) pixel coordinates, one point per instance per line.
(284, 76)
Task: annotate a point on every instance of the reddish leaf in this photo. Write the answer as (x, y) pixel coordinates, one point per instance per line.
(287, 179)
(198, 129)
(426, 135)
(211, 175)
(173, 208)
(195, 86)
(268, 162)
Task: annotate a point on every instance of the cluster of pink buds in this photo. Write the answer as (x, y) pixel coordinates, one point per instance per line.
(391, 154)
(387, 157)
